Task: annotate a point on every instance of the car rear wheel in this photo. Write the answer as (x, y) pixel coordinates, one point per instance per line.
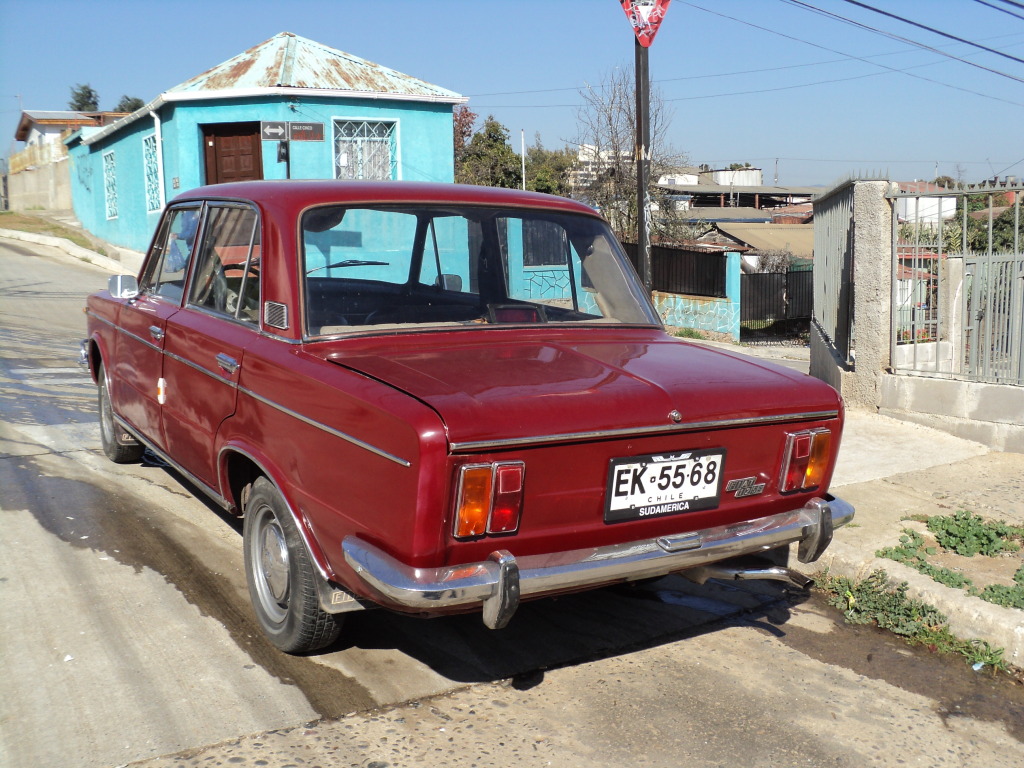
(118, 445)
(282, 582)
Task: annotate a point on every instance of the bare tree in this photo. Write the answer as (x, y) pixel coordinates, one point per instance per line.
(606, 176)
(774, 260)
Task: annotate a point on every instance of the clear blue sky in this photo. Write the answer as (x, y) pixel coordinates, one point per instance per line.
(761, 81)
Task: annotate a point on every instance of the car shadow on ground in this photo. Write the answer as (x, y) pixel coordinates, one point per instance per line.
(557, 632)
(551, 632)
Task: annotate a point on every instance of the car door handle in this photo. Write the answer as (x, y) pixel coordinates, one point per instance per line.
(156, 332)
(228, 363)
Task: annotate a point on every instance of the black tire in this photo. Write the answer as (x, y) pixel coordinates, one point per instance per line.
(118, 445)
(282, 582)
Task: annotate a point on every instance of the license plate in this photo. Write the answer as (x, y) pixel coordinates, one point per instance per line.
(664, 484)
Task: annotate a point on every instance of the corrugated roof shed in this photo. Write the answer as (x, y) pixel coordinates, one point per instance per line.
(289, 61)
(798, 239)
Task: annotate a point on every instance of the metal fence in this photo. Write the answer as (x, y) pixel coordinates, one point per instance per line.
(958, 282)
(685, 271)
(833, 269)
(772, 296)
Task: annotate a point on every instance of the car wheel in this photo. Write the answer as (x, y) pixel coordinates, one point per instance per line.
(282, 582)
(118, 445)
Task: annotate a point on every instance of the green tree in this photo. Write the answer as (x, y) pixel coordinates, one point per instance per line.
(129, 104)
(84, 98)
(549, 170)
(488, 160)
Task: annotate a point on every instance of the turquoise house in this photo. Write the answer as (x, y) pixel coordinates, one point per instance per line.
(286, 108)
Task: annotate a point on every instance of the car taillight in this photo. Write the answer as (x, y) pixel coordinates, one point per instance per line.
(805, 460)
(489, 499)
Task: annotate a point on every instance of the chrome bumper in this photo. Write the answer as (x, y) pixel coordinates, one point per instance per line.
(498, 583)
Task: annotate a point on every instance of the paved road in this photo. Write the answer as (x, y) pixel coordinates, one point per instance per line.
(128, 635)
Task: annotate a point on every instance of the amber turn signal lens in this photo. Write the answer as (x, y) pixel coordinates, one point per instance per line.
(821, 451)
(474, 500)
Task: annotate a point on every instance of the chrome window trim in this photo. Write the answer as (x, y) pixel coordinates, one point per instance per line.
(694, 426)
(329, 430)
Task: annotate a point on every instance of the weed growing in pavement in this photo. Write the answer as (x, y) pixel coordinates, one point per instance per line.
(874, 601)
(967, 535)
(912, 551)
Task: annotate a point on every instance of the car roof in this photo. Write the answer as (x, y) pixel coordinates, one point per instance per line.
(300, 194)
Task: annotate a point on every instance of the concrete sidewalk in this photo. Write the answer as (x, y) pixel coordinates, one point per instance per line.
(888, 469)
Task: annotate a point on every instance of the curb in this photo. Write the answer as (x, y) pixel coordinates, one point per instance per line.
(114, 266)
(968, 617)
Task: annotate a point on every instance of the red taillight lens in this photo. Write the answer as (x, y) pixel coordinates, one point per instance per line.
(489, 500)
(805, 460)
(508, 498)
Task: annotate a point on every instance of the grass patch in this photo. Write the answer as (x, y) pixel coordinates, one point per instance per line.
(689, 333)
(23, 222)
(874, 601)
(967, 535)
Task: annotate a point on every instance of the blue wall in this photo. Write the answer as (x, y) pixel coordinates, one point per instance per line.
(424, 153)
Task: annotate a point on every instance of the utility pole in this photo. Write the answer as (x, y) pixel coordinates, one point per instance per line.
(645, 16)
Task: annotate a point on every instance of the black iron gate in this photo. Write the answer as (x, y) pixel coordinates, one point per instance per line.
(776, 304)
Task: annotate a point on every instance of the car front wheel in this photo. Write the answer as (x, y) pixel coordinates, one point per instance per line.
(118, 445)
(282, 582)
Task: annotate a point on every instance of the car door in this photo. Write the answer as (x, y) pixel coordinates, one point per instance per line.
(205, 342)
(136, 387)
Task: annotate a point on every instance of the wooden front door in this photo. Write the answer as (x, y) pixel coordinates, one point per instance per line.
(232, 152)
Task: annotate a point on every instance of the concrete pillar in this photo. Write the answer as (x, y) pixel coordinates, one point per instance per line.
(871, 286)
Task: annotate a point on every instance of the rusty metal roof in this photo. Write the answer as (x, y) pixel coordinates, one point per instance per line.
(289, 61)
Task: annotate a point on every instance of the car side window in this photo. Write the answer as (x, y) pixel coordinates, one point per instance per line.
(226, 278)
(171, 252)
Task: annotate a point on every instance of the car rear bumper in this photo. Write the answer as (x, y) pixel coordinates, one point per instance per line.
(497, 584)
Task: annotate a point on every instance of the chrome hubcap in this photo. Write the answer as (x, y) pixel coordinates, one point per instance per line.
(272, 562)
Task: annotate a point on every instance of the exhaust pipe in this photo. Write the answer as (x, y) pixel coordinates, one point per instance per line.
(702, 573)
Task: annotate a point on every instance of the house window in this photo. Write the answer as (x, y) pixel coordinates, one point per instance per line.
(110, 184)
(154, 198)
(365, 150)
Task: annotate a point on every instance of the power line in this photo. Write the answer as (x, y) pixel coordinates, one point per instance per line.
(1001, 10)
(932, 30)
(759, 70)
(893, 36)
(849, 55)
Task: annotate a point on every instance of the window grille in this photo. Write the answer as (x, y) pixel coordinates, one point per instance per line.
(365, 150)
(154, 200)
(110, 184)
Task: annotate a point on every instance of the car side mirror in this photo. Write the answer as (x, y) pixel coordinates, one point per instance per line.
(123, 286)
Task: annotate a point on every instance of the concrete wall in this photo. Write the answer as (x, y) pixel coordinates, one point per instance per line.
(41, 187)
(992, 414)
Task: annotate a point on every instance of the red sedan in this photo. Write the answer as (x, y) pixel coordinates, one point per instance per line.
(439, 399)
